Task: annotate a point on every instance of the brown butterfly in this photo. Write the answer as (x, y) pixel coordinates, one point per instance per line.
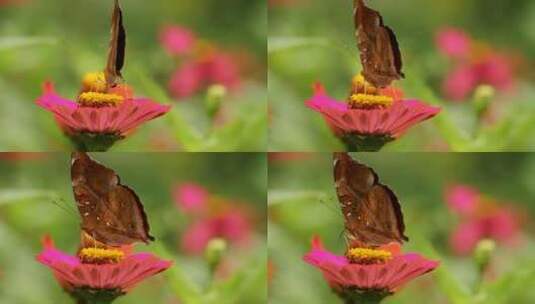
(371, 210)
(116, 52)
(379, 50)
(111, 213)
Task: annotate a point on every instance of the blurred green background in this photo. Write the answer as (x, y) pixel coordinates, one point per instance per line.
(302, 202)
(313, 40)
(61, 40)
(36, 199)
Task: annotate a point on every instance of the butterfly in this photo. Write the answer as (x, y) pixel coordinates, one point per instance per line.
(371, 210)
(379, 50)
(117, 48)
(111, 213)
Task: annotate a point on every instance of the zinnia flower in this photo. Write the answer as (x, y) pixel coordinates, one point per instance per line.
(366, 275)
(232, 226)
(372, 117)
(99, 275)
(481, 218)
(453, 42)
(177, 40)
(99, 116)
(475, 64)
(213, 67)
(190, 197)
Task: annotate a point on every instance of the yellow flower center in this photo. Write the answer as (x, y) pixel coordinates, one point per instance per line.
(368, 101)
(95, 99)
(365, 95)
(94, 82)
(368, 256)
(100, 255)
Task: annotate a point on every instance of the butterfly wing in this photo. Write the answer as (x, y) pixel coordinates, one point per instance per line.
(116, 52)
(111, 212)
(371, 210)
(379, 50)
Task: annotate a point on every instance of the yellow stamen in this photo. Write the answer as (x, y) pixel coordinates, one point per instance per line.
(368, 101)
(368, 256)
(100, 255)
(94, 82)
(94, 99)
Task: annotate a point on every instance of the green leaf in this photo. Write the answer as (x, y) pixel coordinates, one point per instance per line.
(276, 197)
(21, 195)
(10, 43)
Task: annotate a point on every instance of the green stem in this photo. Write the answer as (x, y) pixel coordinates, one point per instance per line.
(94, 142)
(365, 143)
(356, 296)
(86, 295)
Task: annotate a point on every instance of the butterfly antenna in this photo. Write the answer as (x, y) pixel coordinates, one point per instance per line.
(63, 207)
(329, 206)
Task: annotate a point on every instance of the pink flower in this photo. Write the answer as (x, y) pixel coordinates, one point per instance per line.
(345, 277)
(233, 226)
(199, 73)
(115, 120)
(117, 278)
(453, 42)
(390, 121)
(460, 82)
(474, 64)
(481, 218)
(462, 199)
(496, 70)
(190, 197)
(186, 80)
(177, 40)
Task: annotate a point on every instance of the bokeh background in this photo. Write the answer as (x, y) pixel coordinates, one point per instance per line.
(313, 40)
(61, 40)
(302, 202)
(36, 199)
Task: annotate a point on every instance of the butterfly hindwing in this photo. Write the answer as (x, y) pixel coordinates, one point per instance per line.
(111, 212)
(372, 212)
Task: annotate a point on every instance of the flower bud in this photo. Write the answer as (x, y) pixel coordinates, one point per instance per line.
(214, 97)
(482, 98)
(483, 253)
(214, 251)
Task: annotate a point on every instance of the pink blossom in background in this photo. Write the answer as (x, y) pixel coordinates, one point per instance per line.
(453, 42)
(71, 273)
(190, 197)
(202, 63)
(177, 40)
(390, 121)
(462, 199)
(198, 73)
(465, 237)
(232, 226)
(496, 70)
(480, 218)
(186, 80)
(473, 63)
(460, 82)
(387, 277)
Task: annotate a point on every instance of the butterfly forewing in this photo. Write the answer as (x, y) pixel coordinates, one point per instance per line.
(111, 212)
(379, 50)
(116, 53)
(372, 212)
